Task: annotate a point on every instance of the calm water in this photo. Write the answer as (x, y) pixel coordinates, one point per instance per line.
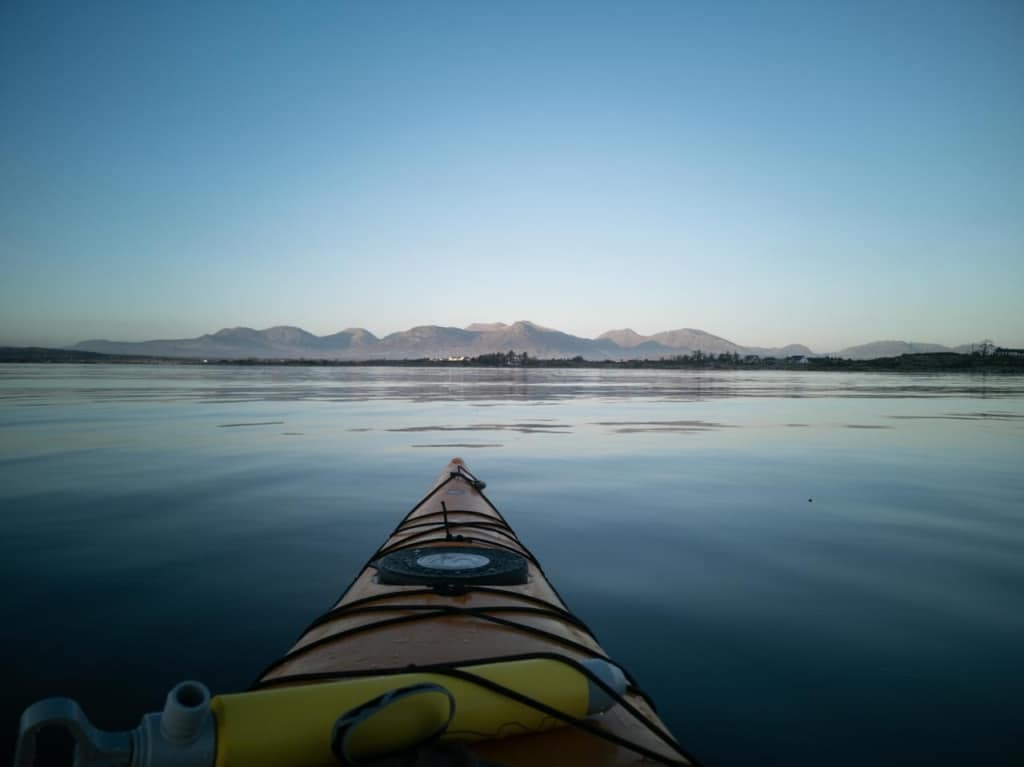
(801, 568)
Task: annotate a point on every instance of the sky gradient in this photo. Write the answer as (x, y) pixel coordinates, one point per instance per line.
(818, 173)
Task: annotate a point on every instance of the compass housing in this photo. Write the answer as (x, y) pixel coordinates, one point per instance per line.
(436, 565)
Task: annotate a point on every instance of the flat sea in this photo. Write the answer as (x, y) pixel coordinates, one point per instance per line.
(801, 569)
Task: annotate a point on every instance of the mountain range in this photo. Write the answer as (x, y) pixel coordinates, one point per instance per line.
(287, 342)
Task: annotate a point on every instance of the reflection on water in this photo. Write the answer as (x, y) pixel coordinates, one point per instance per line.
(801, 568)
(459, 444)
(994, 416)
(635, 427)
(347, 384)
(522, 428)
(253, 423)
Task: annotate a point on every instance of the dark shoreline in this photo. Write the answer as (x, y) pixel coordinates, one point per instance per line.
(917, 363)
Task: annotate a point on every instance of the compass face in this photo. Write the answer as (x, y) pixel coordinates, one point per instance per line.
(455, 560)
(447, 565)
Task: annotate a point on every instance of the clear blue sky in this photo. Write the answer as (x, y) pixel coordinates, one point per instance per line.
(824, 173)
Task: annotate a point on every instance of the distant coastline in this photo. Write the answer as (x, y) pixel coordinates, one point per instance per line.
(994, 360)
(480, 339)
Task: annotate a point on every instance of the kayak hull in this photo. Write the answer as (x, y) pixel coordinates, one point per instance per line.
(441, 621)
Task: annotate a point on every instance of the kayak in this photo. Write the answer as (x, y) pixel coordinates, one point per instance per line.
(450, 646)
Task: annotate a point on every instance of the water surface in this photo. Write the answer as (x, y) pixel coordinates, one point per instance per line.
(800, 568)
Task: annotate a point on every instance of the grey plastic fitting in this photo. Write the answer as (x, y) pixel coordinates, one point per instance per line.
(600, 701)
(187, 705)
(184, 734)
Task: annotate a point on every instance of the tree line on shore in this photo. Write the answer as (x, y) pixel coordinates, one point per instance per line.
(987, 358)
(983, 359)
(937, 361)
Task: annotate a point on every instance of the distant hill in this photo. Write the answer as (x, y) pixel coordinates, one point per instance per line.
(690, 340)
(877, 349)
(539, 341)
(350, 338)
(435, 341)
(280, 342)
(791, 350)
(425, 341)
(626, 338)
(46, 354)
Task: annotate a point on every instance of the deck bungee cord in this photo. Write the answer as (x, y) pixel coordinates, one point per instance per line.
(449, 646)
